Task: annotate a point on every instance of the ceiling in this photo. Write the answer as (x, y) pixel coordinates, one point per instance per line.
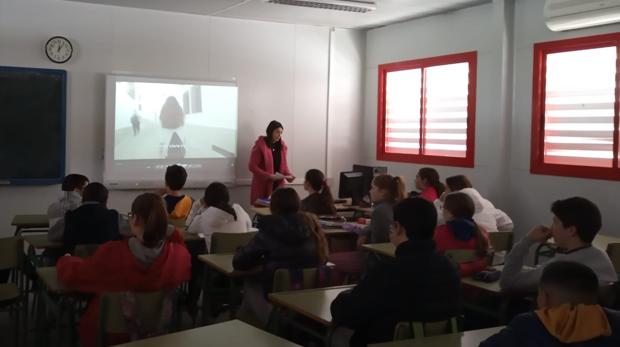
(388, 11)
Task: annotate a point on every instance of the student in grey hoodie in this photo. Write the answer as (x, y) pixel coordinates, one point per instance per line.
(576, 221)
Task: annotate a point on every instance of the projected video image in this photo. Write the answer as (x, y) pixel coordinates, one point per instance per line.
(174, 121)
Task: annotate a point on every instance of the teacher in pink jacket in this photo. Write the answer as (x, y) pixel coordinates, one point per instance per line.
(268, 163)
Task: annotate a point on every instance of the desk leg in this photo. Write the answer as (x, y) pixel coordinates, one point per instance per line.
(42, 336)
(232, 297)
(206, 296)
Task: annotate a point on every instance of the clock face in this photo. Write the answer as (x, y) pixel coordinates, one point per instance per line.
(58, 49)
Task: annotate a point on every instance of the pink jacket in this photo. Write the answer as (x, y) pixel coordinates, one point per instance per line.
(261, 166)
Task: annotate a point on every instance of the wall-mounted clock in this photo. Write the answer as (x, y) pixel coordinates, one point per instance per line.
(58, 49)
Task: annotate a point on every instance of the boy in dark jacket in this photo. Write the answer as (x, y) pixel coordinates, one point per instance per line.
(420, 285)
(92, 222)
(568, 314)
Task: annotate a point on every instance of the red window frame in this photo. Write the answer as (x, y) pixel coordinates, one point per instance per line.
(468, 160)
(541, 50)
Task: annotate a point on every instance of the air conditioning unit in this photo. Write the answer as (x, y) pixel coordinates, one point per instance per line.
(563, 15)
(359, 6)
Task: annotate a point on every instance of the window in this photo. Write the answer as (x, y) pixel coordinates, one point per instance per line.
(575, 108)
(426, 111)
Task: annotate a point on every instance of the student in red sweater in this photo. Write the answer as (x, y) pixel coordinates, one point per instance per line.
(427, 181)
(462, 232)
(148, 261)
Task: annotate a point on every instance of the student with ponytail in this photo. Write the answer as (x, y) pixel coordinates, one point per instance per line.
(462, 232)
(214, 214)
(385, 191)
(427, 181)
(320, 201)
(154, 258)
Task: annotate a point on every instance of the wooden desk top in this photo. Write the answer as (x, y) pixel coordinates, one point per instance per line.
(386, 249)
(264, 211)
(465, 339)
(492, 287)
(189, 237)
(261, 211)
(227, 334)
(30, 221)
(40, 241)
(50, 279)
(601, 241)
(220, 262)
(223, 263)
(311, 303)
(336, 231)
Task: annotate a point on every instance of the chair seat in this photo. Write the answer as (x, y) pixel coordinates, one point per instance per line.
(8, 292)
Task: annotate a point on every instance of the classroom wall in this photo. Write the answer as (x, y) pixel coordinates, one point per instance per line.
(473, 29)
(283, 71)
(531, 195)
(503, 32)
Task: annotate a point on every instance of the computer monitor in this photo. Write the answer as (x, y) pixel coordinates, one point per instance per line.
(369, 174)
(352, 186)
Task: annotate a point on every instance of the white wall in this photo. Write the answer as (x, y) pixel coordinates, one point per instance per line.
(472, 29)
(531, 195)
(282, 71)
(345, 103)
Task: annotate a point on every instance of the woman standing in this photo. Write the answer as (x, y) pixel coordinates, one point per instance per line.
(268, 163)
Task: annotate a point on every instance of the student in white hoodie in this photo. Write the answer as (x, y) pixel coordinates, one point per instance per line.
(486, 215)
(72, 187)
(214, 214)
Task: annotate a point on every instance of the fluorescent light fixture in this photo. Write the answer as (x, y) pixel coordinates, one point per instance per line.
(358, 6)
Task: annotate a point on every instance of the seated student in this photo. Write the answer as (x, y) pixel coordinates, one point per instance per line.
(427, 181)
(214, 214)
(489, 217)
(286, 239)
(92, 222)
(567, 315)
(148, 261)
(385, 191)
(320, 200)
(462, 232)
(419, 285)
(72, 186)
(177, 204)
(576, 222)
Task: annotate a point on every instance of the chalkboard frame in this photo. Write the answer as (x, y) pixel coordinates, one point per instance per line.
(63, 128)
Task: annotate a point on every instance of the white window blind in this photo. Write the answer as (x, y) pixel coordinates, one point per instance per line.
(445, 130)
(579, 107)
(402, 111)
(445, 114)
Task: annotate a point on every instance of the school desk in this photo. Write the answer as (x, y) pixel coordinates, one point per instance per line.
(39, 242)
(227, 334)
(55, 299)
(264, 210)
(222, 264)
(310, 303)
(470, 338)
(30, 221)
(387, 249)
